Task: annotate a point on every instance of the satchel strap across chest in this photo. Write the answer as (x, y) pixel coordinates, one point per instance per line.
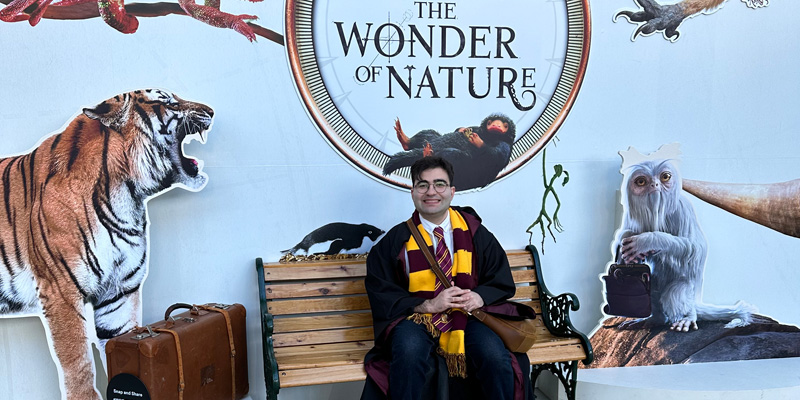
(427, 252)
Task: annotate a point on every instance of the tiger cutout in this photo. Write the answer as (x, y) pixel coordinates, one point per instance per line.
(74, 225)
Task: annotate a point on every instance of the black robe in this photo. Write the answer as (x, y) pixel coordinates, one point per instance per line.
(391, 302)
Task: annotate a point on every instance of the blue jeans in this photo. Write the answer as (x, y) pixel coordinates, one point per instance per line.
(415, 371)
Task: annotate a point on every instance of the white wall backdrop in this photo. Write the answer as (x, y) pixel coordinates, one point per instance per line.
(726, 90)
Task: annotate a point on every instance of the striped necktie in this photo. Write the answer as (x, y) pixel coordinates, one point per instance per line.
(441, 320)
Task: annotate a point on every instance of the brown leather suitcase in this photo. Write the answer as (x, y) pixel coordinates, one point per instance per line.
(200, 354)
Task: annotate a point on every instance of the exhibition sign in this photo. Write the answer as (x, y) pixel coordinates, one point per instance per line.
(364, 68)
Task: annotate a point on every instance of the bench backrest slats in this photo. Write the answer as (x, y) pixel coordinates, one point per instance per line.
(312, 271)
(334, 348)
(323, 303)
(319, 337)
(315, 288)
(353, 354)
(320, 322)
(523, 275)
(350, 303)
(319, 289)
(519, 258)
(275, 272)
(534, 304)
(525, 292)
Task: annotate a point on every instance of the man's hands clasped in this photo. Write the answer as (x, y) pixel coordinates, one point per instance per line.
(452, 297)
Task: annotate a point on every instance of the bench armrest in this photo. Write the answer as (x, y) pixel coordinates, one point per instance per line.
(271, 377)
(555, 309)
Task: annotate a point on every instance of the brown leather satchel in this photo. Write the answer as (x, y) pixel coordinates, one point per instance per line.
(518, 335)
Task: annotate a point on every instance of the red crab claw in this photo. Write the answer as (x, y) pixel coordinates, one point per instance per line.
(211, 15)
(240, 25)
(114, 14)
(112, 11)
(14, 11)
(38, 13)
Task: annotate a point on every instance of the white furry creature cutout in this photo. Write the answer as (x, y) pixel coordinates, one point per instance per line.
(660, 228)
(74, 225)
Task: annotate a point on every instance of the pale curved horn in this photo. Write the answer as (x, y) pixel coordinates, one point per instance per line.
(774, 205)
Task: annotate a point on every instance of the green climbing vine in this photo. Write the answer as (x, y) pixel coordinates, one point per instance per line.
(543, 214)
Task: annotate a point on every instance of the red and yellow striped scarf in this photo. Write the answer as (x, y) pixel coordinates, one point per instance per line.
(422, 282)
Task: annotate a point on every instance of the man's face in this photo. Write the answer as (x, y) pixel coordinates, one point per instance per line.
(431, 204)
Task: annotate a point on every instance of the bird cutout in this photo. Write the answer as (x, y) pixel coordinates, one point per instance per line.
(654, 17)
(338, 237)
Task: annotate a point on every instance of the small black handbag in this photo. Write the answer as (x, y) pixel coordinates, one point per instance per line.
(628, 290)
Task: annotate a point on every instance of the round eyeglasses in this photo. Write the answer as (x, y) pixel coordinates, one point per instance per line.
(439, 186)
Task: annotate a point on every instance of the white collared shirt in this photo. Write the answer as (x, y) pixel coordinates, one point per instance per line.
(429, 226)
(448, 232)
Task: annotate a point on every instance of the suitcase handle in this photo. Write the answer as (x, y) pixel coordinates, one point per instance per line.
(177, 306)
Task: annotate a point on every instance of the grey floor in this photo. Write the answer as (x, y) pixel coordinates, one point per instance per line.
(540, 395)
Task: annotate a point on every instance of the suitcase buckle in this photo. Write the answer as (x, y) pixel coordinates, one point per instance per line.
(184, 319)
(145, 335)
(220, 305)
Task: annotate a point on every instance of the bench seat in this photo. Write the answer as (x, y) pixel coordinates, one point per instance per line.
(317, 325)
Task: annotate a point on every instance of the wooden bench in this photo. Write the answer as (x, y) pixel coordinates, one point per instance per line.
(317, 326)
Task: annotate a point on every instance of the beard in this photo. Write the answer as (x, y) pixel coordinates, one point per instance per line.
(650, 211)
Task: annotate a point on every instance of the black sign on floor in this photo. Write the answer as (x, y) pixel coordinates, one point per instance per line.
(126, 387)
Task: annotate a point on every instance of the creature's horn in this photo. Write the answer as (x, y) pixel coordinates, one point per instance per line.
(774, 205)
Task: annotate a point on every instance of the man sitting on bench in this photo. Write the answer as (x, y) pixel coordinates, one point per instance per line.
(426, 345)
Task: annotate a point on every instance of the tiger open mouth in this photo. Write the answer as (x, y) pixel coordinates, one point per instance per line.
(191, 165)
(195, 128)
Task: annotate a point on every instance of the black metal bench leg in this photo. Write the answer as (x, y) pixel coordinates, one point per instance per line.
(568, 375)
(535, 371)
(566, 372)
(570, 380)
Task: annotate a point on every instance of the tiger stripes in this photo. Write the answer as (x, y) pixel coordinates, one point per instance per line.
(73, 220)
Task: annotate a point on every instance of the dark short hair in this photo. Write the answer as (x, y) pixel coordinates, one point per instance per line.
(426, 163)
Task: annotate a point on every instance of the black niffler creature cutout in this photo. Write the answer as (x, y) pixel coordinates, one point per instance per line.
(477, 153)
